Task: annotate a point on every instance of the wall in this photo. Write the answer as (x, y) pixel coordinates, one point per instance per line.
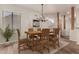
(74, 35)
(49, 23)
(66, 32)
(26, 18)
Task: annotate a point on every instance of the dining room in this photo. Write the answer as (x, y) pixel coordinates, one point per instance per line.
(39, 28)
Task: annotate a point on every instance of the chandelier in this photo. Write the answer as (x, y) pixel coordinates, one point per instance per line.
(42, 18)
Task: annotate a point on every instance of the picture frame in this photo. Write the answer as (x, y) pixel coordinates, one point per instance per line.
(36, 23)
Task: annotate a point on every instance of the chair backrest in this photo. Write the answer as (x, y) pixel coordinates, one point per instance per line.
(45, 33)
(18, 31)
(30, 29)
(39, 29)
(56, 31)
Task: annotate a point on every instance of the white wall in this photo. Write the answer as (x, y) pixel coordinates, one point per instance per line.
(26, 17)
(49, 24)
(74, 35)
(66, 32)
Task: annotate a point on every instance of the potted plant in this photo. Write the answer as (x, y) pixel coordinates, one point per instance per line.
(7, 33)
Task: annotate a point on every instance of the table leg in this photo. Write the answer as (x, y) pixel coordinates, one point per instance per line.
(27, 36)
(32, 42)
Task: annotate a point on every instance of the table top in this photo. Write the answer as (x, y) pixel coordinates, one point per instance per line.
(36, 32)
(33, 32)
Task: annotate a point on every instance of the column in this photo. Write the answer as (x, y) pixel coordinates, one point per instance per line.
(72, 18)
(64, 22)
(57, 19)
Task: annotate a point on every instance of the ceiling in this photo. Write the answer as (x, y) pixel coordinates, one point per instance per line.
(50, 8)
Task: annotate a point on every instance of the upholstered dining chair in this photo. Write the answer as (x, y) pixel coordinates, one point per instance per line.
(22, 43)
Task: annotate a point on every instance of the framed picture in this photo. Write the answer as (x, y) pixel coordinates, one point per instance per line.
(36, 23)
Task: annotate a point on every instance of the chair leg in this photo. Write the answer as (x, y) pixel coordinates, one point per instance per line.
(48, 50)
(54, 44)
(41, 52)
(18, 51)
(48, 47)
(58, 44)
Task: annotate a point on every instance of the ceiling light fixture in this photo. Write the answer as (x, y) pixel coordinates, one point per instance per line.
(42, 18)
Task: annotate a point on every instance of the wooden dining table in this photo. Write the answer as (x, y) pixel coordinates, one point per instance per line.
(33, 33)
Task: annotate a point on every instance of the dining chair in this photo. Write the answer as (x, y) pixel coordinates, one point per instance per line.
(39, 29)
(51, 39)
(44, 41)
(22, 43)
(54, 38)
(30, 29)
(38, 36)
(56, 31)
(33, 39)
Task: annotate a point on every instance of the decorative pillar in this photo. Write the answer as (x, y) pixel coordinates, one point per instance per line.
(72, 18)
(64, 22)
(57, 19)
